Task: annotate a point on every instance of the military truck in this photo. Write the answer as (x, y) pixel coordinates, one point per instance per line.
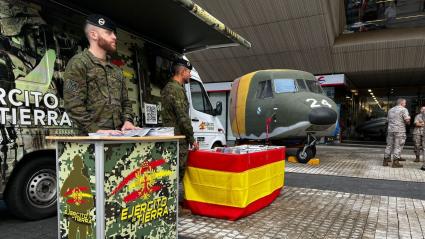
(37, 38)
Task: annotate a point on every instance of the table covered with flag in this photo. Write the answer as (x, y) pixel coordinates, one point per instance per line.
(231, 186)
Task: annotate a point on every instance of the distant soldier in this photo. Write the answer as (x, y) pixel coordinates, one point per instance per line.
(175, 110)
(95, 92)
(398, 118)
(418, 133)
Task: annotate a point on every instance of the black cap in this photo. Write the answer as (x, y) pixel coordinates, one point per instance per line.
(101, 21)
(182, 62)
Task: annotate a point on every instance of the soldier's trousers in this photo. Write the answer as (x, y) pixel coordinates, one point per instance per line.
(183, 152)
(395, 143)
(417, 139)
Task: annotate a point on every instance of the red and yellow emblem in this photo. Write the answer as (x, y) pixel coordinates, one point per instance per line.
(77, 195)
(143, 181)
(202, 126)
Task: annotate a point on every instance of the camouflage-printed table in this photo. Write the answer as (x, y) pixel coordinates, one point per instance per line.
(116, 187)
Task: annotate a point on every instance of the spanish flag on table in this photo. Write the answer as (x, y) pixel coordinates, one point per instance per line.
(232, 186)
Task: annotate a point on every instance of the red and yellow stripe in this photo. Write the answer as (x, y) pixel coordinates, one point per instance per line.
(232, 186)
(240, 90)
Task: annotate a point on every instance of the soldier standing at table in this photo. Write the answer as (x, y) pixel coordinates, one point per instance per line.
(398, 118)
(175, 110)
(418, 133)
(95, 93)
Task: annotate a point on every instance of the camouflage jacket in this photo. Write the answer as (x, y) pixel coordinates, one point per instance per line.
(175, 110)
(418, 130)
(95, 94)
(396, 119)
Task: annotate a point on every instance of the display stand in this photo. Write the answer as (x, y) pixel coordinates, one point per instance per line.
(117, 187)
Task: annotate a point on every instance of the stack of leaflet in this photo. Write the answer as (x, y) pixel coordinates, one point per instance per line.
(244, 149)
(161, 131)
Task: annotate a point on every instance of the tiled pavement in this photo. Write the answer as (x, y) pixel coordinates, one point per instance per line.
(360, 162)
(312, 213)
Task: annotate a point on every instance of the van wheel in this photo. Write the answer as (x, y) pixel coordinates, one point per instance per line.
(216, 144)
(31, 194)
(304, 157)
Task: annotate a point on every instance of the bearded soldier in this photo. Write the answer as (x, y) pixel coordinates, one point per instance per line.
(95, 92)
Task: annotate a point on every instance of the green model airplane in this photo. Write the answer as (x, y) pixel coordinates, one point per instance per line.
(282, 107)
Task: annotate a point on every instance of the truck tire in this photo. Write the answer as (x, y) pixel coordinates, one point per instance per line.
(306, 156)
(31, 195)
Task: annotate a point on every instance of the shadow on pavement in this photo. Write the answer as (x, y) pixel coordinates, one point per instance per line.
(12, 227)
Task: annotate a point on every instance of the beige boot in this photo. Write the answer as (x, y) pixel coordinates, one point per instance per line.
(417, 159)
(386, 161)
(396, 164)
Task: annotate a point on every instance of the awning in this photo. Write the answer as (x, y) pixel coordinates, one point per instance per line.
(179, 25)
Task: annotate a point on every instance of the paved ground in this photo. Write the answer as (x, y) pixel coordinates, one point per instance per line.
(11, 227)
(313, 213)
(344, 197)
(360, 162)
(357, 185)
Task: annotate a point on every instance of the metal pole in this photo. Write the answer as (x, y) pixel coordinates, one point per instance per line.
(203, 15)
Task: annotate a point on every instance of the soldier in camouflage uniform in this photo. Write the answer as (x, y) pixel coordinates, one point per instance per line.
(175, 110)
(418, 133)
(398, 117)
(95, 93)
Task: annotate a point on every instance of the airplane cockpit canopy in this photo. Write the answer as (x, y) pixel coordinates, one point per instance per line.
(296, 85)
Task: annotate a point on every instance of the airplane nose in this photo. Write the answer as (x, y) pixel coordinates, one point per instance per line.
(322, 116)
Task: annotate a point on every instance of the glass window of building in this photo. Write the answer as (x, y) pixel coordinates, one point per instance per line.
(368, 15)
(284, 85)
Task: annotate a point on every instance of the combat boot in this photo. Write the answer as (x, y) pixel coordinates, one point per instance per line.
(401, 159)
(386, 161)
(417, 159)
(396, 164)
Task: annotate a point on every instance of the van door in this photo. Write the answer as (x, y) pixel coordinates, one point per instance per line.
(202, 115)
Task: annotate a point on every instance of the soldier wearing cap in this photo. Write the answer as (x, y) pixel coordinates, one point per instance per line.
(95, 92)
(398, 118)
(175, 109)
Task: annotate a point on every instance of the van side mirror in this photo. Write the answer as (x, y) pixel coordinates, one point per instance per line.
(218, 108)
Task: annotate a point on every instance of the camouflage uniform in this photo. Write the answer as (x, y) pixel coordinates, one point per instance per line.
(175, 113)
(95, 94)
(418, 136)
(396, 132)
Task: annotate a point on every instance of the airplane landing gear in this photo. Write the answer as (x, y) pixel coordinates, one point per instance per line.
(308, 151)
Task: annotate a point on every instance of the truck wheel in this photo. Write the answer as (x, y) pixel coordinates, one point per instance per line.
(306, 156)
(31, 194)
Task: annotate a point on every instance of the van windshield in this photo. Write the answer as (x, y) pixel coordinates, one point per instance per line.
(284, 85)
